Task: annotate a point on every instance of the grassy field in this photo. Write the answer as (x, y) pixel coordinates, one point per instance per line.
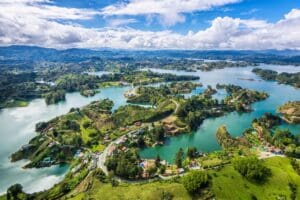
(229, 184)
(149, 191)
(226, 184)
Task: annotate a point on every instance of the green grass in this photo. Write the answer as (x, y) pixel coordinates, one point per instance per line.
(229, 184)
(3, 197)
(146, 191)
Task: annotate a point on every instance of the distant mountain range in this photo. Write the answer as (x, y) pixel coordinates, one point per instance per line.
(13, 54)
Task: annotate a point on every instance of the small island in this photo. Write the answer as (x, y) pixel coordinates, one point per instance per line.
(290, 112)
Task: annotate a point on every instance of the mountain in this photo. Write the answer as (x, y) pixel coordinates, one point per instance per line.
(12, 54)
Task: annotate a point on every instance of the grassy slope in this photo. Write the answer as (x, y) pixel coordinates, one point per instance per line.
(227, 184)
(147, 191)
(231, 185)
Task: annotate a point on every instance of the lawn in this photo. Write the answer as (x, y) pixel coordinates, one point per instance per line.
(147, 191)
(229, 184)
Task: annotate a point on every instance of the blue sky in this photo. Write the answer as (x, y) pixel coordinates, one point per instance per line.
(254, 9)
(152, 24)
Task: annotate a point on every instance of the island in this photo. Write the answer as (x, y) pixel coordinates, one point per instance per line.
(290, 112)
(292, 79)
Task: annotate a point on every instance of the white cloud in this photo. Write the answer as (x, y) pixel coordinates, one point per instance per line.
(32, 27)
(295, 13)
(170, 11)
(42, 9)
(121, 22)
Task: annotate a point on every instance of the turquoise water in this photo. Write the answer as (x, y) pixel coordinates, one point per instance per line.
(204, 137)
(17, 124)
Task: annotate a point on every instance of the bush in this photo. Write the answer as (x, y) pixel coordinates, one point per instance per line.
(194, 181)
(13, 191)
(252, 168)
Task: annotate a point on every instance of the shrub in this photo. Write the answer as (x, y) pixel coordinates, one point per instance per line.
(194, 181)
(252, 168)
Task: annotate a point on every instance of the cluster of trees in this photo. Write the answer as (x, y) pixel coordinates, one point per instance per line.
(268, 120)
(158, 133)
(154, 95)
(18, 87)
(15, 192)
(125, 164)
(194, 181)
(225, 139)
(252, 168)
(296, 165)
(146, 77)
(240, 98)
(54, 97)
(292, 79)
(191, 153)
(195, 109)
(77, 82)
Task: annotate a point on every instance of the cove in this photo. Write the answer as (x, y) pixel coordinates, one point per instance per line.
(204, 137)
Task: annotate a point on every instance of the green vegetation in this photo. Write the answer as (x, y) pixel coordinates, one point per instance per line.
(292, 79)
(55, 96)
(143, 191)
(240, 98)
(252, 168)
(179, 158)
(268, 120)
(17, 88)
(192, 65)
(195, 180)
(227, 183)
(290, 112)
(62, 136)
(129, 114)
(224, 183)
(125, 164)
(227, 142)
(192, 152)
(154, 95)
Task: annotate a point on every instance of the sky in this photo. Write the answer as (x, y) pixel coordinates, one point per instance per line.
(152, 24)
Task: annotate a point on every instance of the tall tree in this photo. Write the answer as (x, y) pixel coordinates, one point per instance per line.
(179, 158)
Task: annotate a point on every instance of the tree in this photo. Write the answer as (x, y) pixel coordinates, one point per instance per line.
(192, 152)
(13, 191)
(157, 160)
(165, 195)
(194, 181)
(179, 158)
(159, 133)
(252, 168)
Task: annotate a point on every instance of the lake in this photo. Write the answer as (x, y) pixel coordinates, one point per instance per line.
(17, 124)
(236, 123)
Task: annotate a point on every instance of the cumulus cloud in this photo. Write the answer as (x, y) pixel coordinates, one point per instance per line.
(170, 11)
(39, 26)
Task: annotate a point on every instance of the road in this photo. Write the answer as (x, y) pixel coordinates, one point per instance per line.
(103, 156)
(177, 105)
